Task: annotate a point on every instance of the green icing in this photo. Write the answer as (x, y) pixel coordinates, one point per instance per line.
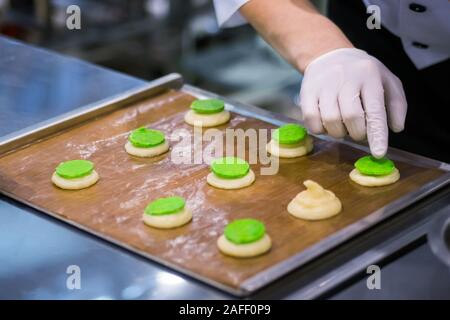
(290, 133)
(371, 166)
(74, 169)
(164, 206)
(244, 231)
(146, 138)
(230, 168)
(208, 106)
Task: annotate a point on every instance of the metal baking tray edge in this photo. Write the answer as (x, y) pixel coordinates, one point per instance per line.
(69, 119)
(175, 81)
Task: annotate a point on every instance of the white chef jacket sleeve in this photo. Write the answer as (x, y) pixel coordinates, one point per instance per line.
(227, 12)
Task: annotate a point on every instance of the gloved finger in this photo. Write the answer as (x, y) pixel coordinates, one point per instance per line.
(310, 110)
(331, 115)
(372, 95)
(396, 104)
(352, 112)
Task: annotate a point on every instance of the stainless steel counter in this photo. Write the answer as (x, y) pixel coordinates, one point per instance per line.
(36, 250)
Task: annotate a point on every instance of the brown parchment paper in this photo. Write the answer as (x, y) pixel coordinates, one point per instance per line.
(113, 207)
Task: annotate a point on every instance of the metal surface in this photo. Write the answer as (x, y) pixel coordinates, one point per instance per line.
(35, 250)
(41, 130)
(439, 236)
(36, 85)
(269, 275)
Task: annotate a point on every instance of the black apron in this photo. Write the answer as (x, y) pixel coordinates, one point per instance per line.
(427, 128)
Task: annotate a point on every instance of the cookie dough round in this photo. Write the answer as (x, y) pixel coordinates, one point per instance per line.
(147, 152)
(207, 113)
(75, 175)
(244, 250)
(290, 141)
(244, 238)
(167, 213)
(229, 184)
(206, 120)
(315, 203)
(372, 172)
(290, 151)
(374, 181)
(77, 183)
(146, 143)
(230, 173)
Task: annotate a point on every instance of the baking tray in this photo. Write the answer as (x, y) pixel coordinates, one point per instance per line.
(112, 209)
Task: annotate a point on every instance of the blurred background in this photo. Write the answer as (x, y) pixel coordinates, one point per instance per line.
(150, 38)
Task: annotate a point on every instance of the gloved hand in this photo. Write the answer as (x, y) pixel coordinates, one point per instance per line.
(349, 91)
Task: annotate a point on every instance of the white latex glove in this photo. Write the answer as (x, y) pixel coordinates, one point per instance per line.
(349, 91)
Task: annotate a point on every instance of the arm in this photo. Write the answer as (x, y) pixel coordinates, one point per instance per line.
(295, 29)
(344, 89)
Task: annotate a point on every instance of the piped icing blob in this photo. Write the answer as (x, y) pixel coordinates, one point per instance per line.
(314, 203)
